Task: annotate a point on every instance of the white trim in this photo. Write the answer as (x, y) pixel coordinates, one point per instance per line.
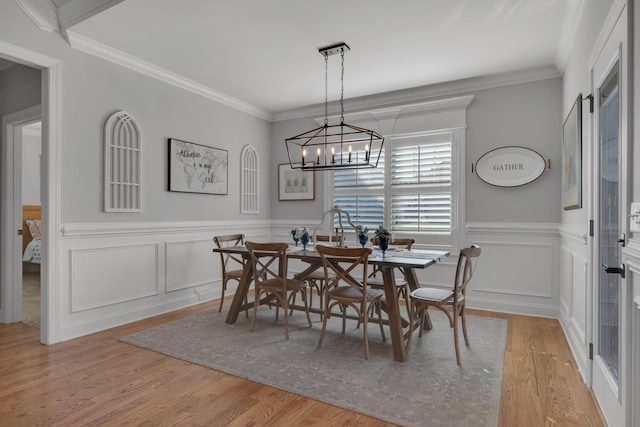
(419, 94)
(570, 24)
(72, 12)
(109, 54)
(533, 228)
(43, 13)
(84, 230)
(51, 156)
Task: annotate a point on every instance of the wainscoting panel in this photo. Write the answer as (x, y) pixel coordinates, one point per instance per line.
(518, 270)
(523, 269)
(575, 310)
(106, 276)
(122, 272)
(190, 263)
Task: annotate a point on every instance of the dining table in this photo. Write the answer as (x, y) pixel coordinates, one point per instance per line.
(407, 261)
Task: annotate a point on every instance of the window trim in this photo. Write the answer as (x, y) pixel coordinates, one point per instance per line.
(447, 115)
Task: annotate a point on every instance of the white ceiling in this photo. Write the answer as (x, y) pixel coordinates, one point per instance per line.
(265, 53)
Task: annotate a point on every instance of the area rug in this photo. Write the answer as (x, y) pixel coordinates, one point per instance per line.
(429, 389)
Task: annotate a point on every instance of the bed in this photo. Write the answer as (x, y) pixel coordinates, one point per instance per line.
(31, 242)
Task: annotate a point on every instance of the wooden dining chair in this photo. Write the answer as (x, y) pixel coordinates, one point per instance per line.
(348, 289)
(232, 265)
(450, 301)
(316, 278)
(401, 283)
(269, 262)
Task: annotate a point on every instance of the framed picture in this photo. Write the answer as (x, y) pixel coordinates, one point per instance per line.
(295, 184)
(572, 157)
(195, 168)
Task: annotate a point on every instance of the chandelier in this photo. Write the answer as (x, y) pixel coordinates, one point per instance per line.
(335, 146)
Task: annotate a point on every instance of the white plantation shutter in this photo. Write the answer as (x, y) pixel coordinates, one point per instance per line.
(421, 185)
(361, 193)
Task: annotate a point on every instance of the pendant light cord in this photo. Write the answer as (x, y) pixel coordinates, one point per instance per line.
(342, 87)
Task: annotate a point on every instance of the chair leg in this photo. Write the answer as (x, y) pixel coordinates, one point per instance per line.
(306, 305)
(285, 309)
(427, 319)
(455, 338)
(378, 307)
(412, 320)
(324, 325)
(224, 288)
(364, 314)
(255, 310)
(464, 327)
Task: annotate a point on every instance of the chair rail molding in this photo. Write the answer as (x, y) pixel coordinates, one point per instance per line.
(528, 228)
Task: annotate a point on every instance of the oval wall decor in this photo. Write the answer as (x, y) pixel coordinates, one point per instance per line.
(510, 166)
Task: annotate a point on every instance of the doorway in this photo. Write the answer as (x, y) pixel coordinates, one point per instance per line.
(30, 178)
(611, 297)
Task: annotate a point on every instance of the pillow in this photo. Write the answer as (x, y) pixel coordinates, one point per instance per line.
(34, 228)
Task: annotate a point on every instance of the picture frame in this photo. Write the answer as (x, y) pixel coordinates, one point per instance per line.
(197, 168)
(295, 184)
(572, 157)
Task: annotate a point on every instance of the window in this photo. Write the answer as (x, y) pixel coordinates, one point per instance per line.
(417, 190)
(421, 184)
(249, 180)
(122, 156)
(418, 177)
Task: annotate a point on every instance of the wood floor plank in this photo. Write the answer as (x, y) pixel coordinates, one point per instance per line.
(97, 380)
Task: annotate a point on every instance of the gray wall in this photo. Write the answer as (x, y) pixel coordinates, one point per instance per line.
(527, 115)
(19, 89)
(93, 89)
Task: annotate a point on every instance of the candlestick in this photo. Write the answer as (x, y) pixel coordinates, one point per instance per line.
(349, 154)
(333, 155)
(318, 152)
(366, 153)
(304, 153)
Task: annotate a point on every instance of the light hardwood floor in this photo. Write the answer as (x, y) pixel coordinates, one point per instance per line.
(96, 380)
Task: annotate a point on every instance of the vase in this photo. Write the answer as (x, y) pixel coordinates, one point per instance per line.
(293, 234)
(383, 243)
(304, 239)
(362, 238)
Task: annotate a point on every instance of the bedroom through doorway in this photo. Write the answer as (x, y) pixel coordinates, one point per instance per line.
(31, 221)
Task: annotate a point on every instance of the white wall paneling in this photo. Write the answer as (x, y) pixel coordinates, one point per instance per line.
(574, 295)
(518, 270)
(190, 263)
(96, 283)
(122, 272)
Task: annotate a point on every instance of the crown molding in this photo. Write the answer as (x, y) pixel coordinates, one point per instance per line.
(72, 12)
(417, 108)
(107, 53)
(570, 24)
(423, 93)
(43, 13)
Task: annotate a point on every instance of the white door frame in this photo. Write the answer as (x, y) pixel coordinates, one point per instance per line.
(610, 48)
(12, 202)
(51, 148)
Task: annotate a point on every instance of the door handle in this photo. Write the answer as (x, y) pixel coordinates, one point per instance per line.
(614, 270)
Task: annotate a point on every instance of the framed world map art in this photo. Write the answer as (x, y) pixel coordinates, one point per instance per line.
(195, 168)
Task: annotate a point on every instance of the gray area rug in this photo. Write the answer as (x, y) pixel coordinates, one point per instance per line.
(428, 390)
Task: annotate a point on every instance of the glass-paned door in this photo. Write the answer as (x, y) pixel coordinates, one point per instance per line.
(608, 298)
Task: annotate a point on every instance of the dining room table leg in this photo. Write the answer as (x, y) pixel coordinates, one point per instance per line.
(393, 312)
(237, 305)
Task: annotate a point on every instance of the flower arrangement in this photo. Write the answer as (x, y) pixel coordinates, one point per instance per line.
(299, 232)
(362, 231)
(382, 232)
(363, 234)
